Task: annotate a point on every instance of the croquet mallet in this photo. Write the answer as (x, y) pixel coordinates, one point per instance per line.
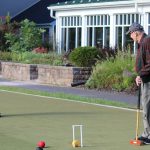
(136, 141)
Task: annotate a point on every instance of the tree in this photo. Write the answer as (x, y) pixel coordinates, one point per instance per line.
(27, 37)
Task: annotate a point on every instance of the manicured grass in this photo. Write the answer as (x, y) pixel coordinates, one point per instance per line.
(66, 96)
(28, 119)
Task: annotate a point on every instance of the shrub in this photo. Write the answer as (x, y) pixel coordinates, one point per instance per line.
(32, 58)
(84, 56)
(5, 56)
(7, 27)
(114, 73)
(27, 37)
(40, 50)
(106, 53)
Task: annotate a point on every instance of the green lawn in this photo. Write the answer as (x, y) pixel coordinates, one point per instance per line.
(66, 96)
(28, 119)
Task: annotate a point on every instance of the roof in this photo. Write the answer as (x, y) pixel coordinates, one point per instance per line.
(16, 7)
(75, 2)
(37, 12)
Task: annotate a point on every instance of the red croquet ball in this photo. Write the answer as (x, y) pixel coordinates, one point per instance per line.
(41, 144)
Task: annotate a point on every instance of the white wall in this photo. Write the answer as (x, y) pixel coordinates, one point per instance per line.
(142, 9)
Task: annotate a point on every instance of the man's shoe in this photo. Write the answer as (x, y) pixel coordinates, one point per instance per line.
(146, 141)
(141, 138)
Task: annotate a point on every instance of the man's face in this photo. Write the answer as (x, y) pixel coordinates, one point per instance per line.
(133, 35)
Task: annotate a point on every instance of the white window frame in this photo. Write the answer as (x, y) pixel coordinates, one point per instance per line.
(71, 22)
(94, 21)
(148, 22)
(120, 22)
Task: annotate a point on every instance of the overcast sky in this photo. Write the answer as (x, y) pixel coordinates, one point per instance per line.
(14, 6)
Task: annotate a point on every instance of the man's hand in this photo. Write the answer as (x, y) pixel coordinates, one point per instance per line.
(138, 80)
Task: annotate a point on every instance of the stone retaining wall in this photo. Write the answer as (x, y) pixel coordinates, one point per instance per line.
(45, 74)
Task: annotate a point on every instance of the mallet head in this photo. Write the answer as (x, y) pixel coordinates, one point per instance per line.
(136, 142)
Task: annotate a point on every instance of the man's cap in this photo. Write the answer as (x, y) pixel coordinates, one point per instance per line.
(135, 27)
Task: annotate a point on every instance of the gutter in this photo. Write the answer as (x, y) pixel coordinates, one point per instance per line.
(99, 5)
(52, 14)
(91, 5)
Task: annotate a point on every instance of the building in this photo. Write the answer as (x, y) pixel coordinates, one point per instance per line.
(101, 23)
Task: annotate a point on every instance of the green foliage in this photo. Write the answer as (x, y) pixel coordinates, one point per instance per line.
(83, 56)
(7, 18)
(32, 58)
(113, 73)
(27, 38)
(12, 41)
(106, 53)
(5, 56)
(7, 28)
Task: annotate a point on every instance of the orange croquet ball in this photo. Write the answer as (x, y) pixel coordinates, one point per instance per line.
(75, 143)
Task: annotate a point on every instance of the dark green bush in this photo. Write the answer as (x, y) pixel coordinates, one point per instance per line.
(84, 56)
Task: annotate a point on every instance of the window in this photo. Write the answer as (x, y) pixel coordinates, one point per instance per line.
(98, 30)
(148, 23)
(47, 36)
(123, 21)
(71, 32)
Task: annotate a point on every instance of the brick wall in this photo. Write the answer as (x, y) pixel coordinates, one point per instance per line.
(15, 71)
(45, 74)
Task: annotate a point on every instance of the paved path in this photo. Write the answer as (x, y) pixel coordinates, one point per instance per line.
(115, 96)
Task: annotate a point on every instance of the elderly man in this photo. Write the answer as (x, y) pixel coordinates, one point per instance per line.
(142, 67)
